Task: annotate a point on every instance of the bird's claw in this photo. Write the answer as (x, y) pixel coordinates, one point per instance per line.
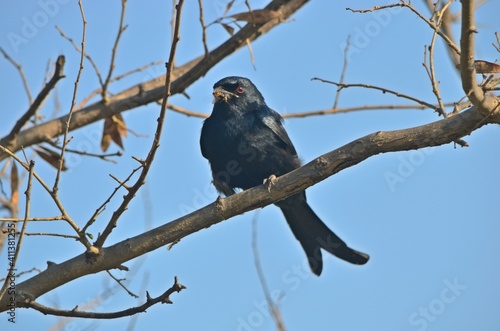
(269, 182)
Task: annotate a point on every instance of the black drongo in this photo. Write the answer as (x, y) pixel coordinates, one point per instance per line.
(245, 143)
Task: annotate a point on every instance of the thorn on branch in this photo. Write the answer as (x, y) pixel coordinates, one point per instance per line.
(50, 264)
(122, 267)
(461, 142)
(175, 242)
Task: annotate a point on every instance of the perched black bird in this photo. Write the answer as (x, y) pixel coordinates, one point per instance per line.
(245, 143)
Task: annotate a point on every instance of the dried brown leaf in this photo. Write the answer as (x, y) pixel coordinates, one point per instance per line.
(485, 67)
(51, 157)
(120, 124)
(14, 184)
(105, 141)
(228, 28)
(114, 128)
(258, 16)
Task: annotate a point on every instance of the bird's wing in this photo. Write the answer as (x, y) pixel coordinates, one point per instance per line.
(273, 121)
(204, 139)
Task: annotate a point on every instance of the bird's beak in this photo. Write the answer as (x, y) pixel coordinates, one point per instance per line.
(222, 95)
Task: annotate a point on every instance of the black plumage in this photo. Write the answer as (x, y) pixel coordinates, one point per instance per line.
(245, 143)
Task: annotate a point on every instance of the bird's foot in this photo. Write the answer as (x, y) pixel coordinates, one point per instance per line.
(269, 182)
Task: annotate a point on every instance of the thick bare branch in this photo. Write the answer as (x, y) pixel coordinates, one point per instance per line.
(434, 134)
(485, 103)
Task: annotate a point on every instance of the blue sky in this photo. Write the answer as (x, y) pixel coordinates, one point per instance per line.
(432, 236)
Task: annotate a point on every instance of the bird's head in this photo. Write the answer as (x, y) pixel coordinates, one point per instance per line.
(237, 92)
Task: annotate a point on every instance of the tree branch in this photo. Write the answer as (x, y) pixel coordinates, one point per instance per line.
(447, 19)
(104, 88)
(433, 134)
(58, 74)
(153, 90)
(360, 108)
(21, 73)
(383, 89)
(164, 298)
(484, 103)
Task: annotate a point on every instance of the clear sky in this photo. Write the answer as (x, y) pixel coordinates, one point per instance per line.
(432, 235)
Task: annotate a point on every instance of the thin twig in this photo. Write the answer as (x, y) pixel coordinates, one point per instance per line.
(447, 20)
(33, 219)
(329, 111)
(58, 74)
(114, 79)
(19, 274)
(119, 282)
(81, 51)
(370, 10)
(185, 111)
(73, 102)
(49, 234)
(383, 89)
(344, 69)
(104, 90)
(101, 208)
(156, 141)
(144, 284)
(56, 200)
(408, 5)
(21, 73)
(203, 27)
(164, 298)
(361, 108)
(433, 26)
(432, 72)
(103, 157)
(497, 46)
(12, 263)
(275, 312)
(55, 188)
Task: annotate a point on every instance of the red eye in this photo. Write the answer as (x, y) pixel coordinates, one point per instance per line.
(239, 89)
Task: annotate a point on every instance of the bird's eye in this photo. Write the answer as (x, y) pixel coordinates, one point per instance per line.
(240, 89)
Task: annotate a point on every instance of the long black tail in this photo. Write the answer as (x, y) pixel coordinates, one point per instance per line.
(313, 234)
